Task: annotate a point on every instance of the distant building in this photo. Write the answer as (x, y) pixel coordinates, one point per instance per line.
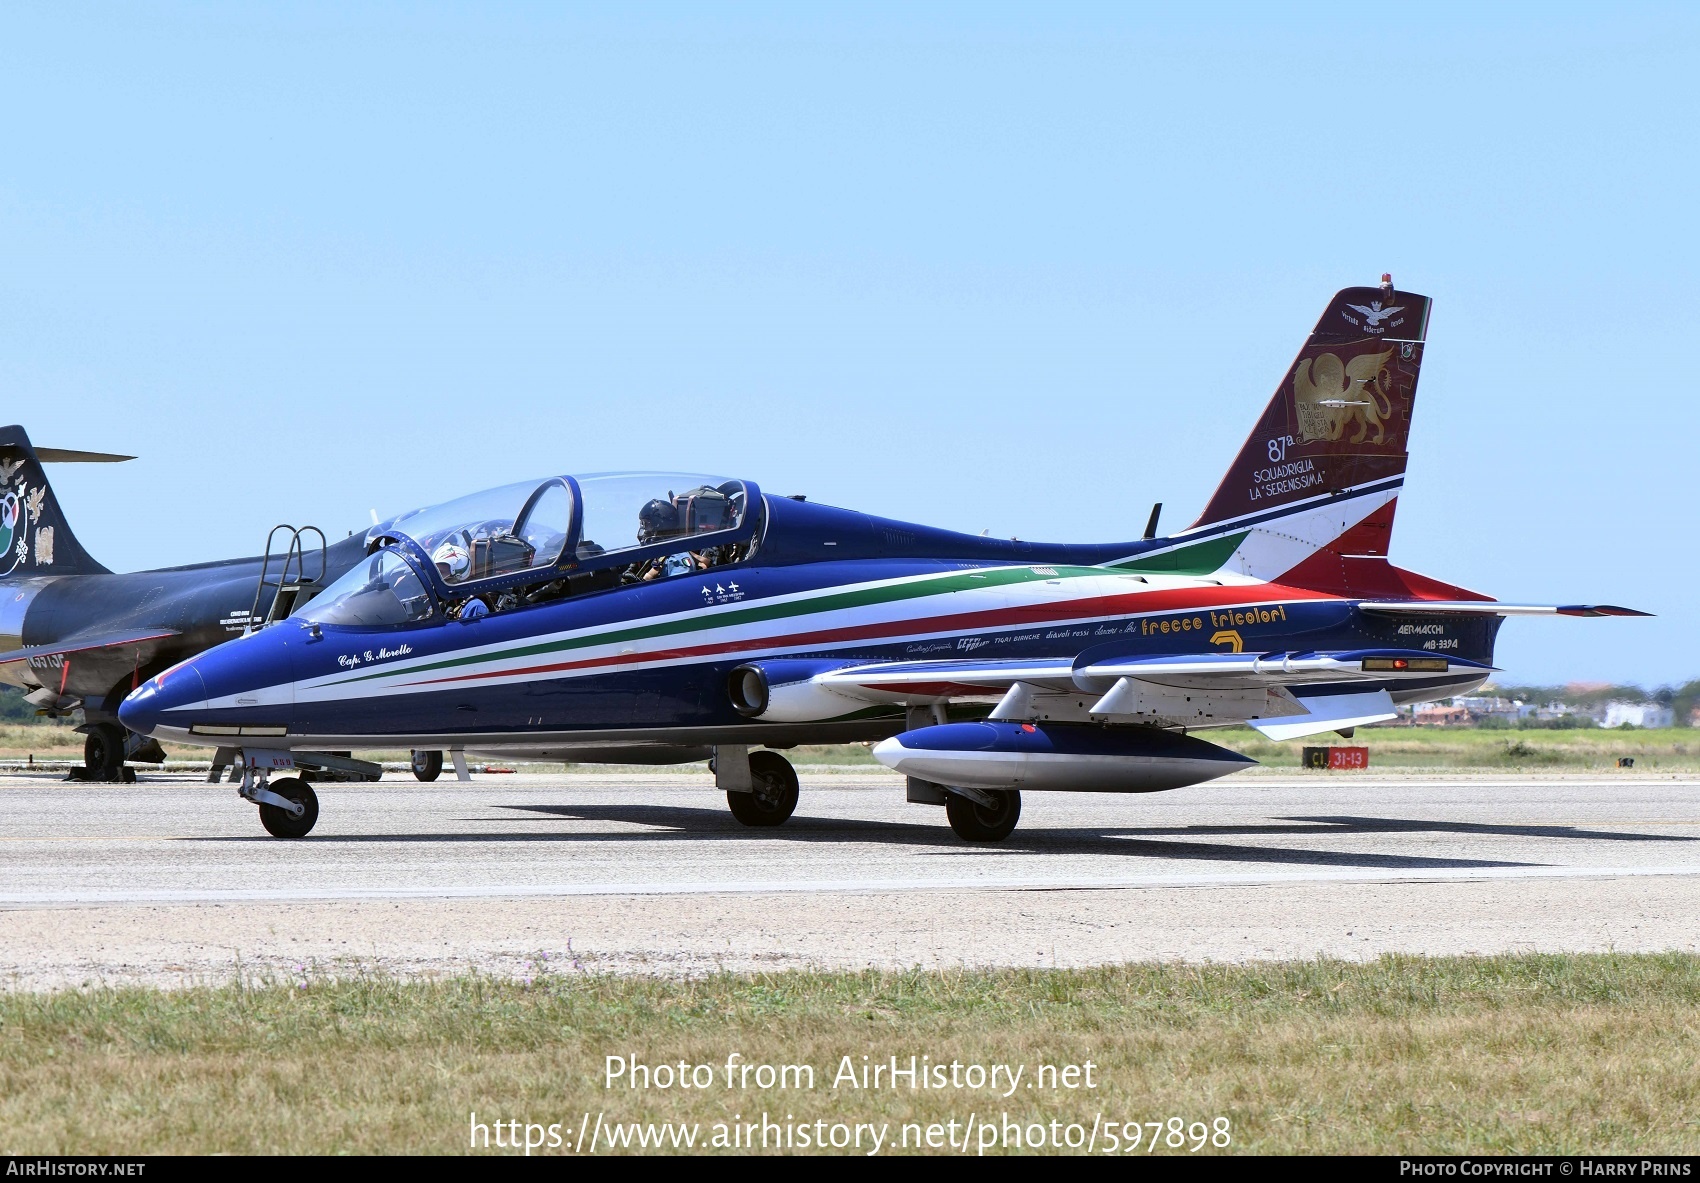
(1492, 707)
(1637, 714)
(1694, 717)
(1434, 714)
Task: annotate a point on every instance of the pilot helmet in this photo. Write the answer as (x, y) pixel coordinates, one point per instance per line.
(656, 520)
(452, 561)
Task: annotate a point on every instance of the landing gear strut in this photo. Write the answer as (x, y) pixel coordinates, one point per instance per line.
(987, 817)
(773, 794)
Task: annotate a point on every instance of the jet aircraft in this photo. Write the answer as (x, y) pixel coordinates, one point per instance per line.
(652, 617)
(75, 635)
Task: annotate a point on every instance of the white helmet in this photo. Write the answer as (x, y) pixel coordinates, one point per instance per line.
(452, 561)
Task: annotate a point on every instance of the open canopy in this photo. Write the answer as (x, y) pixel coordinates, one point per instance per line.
(539, 532)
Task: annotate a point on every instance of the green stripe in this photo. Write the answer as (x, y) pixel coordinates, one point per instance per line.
(1199, 558)
(932, 585)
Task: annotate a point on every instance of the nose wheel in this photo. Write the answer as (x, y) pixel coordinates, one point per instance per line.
(286, 823)
(773, 795)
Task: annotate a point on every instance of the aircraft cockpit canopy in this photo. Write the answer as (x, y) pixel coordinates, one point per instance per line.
(626, 510)
(495, 532)
(542, 539)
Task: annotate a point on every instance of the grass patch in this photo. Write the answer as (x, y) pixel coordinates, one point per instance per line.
(1591, 750)
(1556, 1054)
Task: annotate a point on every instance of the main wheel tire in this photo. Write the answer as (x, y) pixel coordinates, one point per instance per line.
(775, 795)
(278, 823)
(103, 752)
(975, 823)
(427, 765)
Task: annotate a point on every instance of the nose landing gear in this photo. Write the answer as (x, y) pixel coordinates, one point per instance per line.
(288, 807)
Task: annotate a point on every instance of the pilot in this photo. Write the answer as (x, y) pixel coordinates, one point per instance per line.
(452, 560)
(658, 520)
(473, 609)
(682, 564)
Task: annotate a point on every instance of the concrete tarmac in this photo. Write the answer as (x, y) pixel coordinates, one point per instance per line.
(173, 881)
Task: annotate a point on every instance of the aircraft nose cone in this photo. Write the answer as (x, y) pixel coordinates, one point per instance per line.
(145, 709)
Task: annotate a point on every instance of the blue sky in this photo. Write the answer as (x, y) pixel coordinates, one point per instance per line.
(1017, 268)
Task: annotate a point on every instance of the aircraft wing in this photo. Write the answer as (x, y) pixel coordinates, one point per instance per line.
(86, 642)
(1247, 671)
(1494, 608)
(884, 681)
(1284, 695)
(889, 680)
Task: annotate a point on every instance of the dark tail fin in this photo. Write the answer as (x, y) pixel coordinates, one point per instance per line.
(1320, 475)
(1340, 419)
(35, 539)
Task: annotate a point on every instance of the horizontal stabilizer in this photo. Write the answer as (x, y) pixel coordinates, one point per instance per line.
(1493, 608)
(1330, 713)
(84, 644)
(72, 456)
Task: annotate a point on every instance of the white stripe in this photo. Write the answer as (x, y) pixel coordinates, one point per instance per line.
(17, 899)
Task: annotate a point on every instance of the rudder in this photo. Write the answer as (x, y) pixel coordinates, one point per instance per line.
(35, 539)
(1319, 476)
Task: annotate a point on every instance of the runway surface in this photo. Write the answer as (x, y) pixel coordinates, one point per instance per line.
(173, 880)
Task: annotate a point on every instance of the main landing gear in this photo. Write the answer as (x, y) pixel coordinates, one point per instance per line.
(772, 793)
(986, 816)
(427, 765)
(103, 752)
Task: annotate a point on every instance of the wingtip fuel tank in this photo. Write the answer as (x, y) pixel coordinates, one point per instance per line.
(999, 755)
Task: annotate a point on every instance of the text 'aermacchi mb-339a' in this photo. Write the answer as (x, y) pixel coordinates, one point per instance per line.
(651, 618)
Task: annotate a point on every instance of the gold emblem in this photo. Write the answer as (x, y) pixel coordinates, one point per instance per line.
(1331, 395)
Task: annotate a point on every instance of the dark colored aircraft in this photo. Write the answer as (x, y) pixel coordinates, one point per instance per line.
(75, 635)
(654, 617)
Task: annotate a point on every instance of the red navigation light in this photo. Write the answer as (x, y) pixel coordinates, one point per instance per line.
(1399, 663)
(1029, 728)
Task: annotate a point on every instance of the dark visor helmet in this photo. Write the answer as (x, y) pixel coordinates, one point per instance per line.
(657, 520)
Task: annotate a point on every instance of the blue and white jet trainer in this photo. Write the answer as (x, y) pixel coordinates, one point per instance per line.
(654, 618)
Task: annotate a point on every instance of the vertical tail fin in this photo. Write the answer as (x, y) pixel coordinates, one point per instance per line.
(35, 539)
(1315, 487)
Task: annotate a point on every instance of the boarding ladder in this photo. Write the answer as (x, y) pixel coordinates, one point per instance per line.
(291, 577)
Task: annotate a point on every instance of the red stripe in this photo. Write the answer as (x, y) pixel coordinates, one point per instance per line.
(1137, 603)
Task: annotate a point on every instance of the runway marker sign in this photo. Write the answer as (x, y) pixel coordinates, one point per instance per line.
(1336, 759)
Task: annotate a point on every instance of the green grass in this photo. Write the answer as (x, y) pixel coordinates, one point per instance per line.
(1591, 750)
(1560, 1054)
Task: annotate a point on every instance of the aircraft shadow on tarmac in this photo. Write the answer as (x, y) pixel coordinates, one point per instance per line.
(684, 823)
(1398, 825)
